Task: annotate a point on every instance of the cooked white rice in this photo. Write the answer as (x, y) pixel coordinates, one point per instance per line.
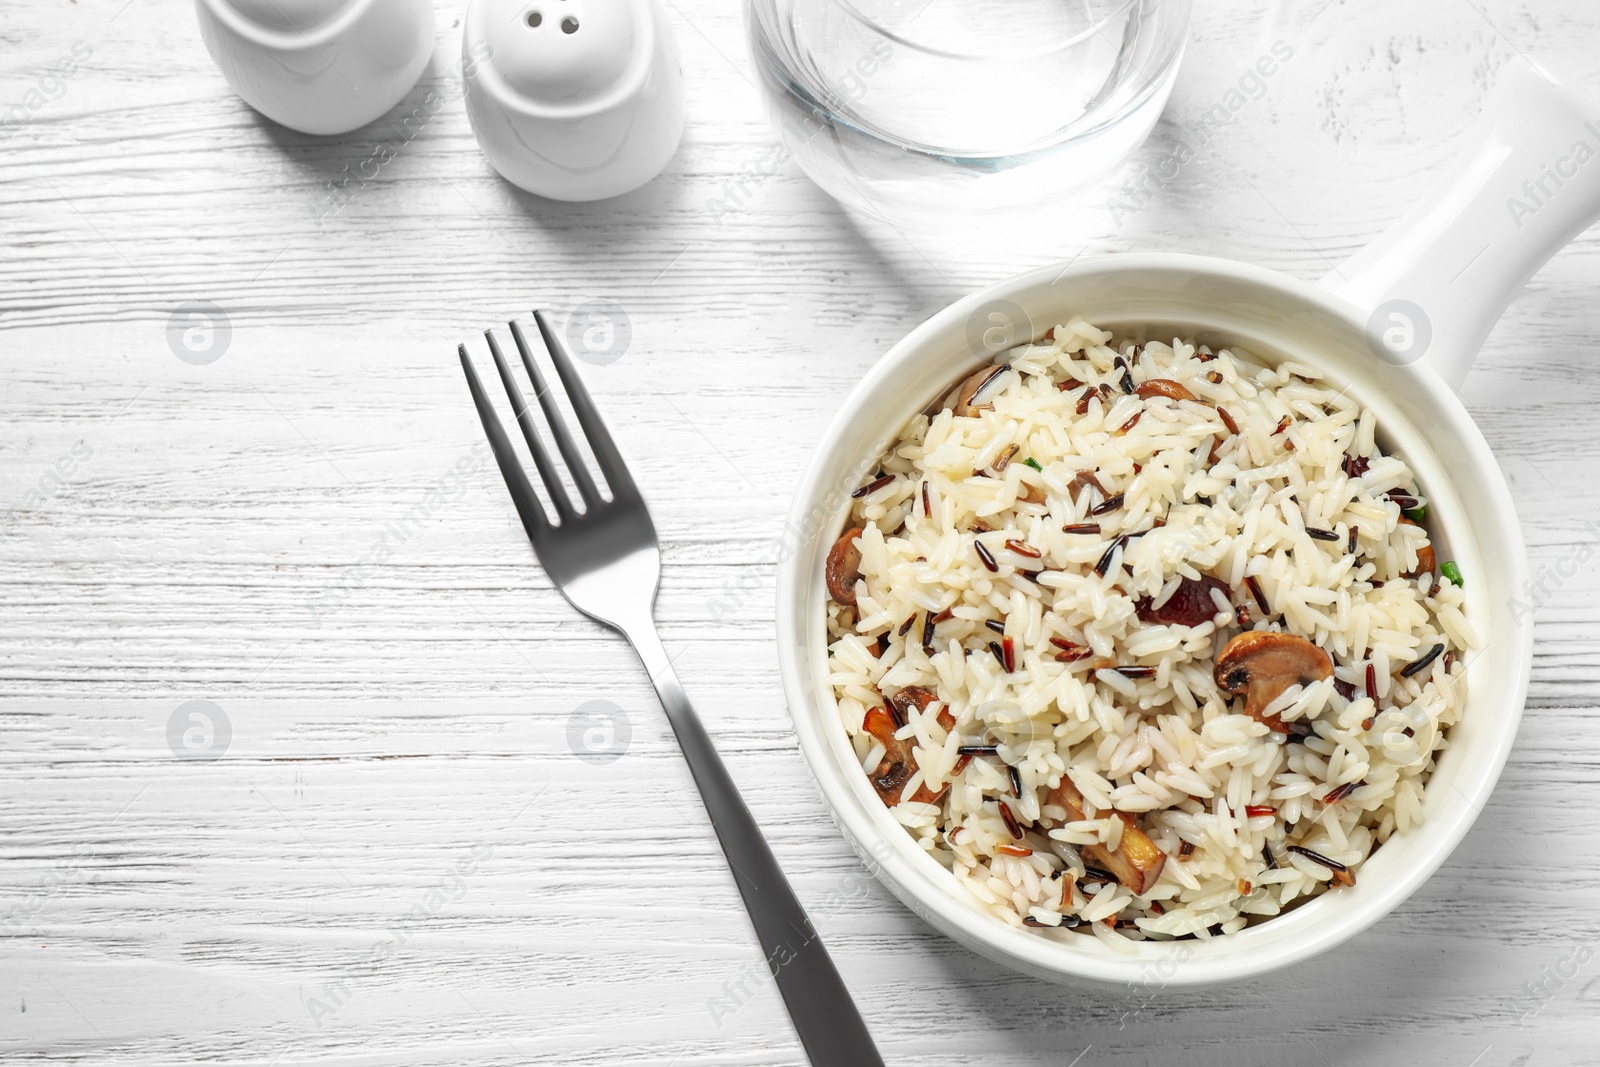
(1219, 793)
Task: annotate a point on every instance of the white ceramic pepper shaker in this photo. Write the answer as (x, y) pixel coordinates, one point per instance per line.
(319, 66)
(574, 99)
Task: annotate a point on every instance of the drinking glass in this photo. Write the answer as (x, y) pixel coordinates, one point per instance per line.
(915, 109)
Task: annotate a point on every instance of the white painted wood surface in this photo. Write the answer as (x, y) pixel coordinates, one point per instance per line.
(399, 692)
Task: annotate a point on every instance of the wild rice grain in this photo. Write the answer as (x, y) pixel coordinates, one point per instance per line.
(1105, 560)
(1110, 503)
(1255, 591)
(1417, 666)
(1333, 796)
(872, 487)
(1317, 857)
(1013, 827)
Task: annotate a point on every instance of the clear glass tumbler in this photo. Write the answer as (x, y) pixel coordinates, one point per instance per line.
(914, 109)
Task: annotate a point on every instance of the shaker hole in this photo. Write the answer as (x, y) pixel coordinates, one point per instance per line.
(569, 25)
(535, 18)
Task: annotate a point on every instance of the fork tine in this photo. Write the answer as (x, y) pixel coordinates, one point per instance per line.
(528, 506)
(594, 427)
(558, 425)
(541, 458)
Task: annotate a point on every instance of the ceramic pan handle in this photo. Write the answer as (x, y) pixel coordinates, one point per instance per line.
(1526, 182)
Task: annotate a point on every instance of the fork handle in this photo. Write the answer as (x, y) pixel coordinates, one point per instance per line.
(825, 1017)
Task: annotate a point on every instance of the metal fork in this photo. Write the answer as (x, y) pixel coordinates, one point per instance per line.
(606, 563)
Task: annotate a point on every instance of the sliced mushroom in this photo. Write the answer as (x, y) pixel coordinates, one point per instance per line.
(1163, 387)
(1190, 605)
(1031, 494)
(1083, 480)
(1136, 861)
(1261, 664)
(917, 698)
(1427, 561)
(899, 762)
(963, 399)
(844, 567)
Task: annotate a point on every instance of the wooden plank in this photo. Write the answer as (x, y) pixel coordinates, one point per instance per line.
(289, 533)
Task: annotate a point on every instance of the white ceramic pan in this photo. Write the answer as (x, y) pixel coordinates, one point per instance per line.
(1399, 324)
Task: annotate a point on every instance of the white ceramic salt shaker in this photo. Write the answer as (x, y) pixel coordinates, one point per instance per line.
(573, 99)
(319, 66)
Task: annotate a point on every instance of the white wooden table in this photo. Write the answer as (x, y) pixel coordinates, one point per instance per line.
(398, 858)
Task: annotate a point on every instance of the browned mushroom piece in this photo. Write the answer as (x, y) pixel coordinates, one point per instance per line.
(963, 398)
(1190, 605)
(844, 567)
(1136, 861)
(1427, 561)
(1083, 480)
(1261, 664)
(916, 697)
(1163, 387)
(899, 763)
